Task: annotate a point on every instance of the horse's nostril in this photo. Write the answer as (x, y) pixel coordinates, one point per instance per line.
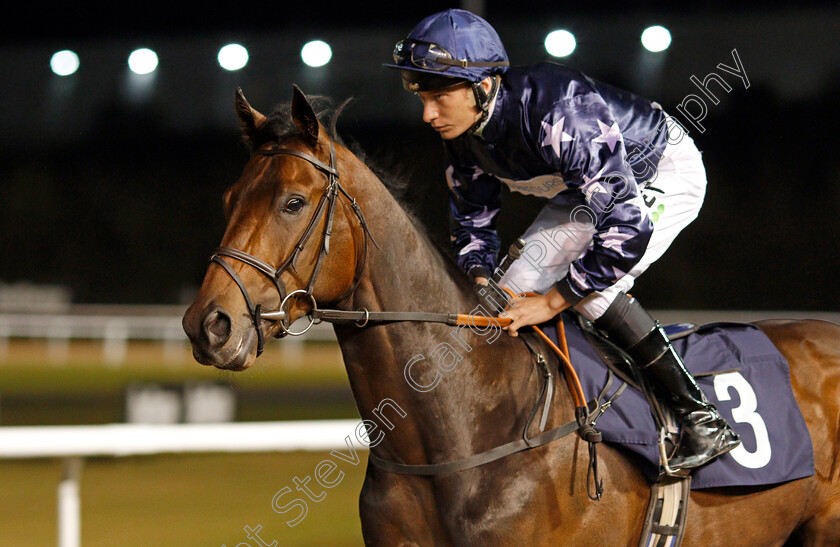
(220, 327)
(217, 327)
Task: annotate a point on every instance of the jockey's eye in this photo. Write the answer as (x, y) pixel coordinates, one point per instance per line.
(294, 205)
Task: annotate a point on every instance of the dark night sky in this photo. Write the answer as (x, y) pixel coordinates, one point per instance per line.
(34, 22)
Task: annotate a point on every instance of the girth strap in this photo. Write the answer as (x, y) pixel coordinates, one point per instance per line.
(476, 460)
(594, 409)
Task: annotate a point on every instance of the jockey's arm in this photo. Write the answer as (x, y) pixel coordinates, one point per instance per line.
(474, 203)
(592, 159)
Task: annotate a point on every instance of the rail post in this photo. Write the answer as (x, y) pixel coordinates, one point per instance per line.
(69, 504)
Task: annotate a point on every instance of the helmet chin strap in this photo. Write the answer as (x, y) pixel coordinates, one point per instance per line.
(483, 100)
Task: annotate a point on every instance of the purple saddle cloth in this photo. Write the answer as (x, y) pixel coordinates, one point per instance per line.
(742, 374)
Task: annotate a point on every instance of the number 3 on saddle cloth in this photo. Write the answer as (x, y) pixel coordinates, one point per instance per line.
(742, 374)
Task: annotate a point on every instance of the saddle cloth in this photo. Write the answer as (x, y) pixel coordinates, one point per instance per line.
(742, 374)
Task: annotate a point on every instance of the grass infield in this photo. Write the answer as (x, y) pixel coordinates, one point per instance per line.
(180, 501)
(174, 500)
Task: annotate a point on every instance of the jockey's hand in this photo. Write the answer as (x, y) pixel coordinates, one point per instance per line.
(533, 310)
(481, 281)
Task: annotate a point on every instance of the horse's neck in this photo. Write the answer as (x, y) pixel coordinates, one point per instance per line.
(406, 272)
(486, 383)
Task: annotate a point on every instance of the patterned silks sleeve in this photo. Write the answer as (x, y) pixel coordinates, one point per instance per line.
(474, 203)
(582, 140)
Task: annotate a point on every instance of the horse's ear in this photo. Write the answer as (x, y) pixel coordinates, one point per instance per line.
(304, 117)
(249, 118)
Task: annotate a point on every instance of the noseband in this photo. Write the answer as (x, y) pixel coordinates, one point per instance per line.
(326, 204)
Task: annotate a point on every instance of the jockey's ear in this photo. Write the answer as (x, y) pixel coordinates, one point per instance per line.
(486, 88)
(304, 117)
(250, 119)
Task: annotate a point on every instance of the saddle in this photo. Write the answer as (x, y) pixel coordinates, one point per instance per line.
(739, 357)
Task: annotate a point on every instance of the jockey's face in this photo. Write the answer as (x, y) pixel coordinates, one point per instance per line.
(450, 111)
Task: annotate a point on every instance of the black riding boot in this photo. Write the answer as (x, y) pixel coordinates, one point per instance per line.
(704, 433)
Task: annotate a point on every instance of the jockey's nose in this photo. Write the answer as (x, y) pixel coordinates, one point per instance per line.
(430, 112)
(217, 327)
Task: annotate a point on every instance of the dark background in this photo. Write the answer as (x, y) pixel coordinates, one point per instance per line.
(111, 185)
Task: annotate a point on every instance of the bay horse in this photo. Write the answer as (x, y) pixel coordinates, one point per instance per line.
(286, 209)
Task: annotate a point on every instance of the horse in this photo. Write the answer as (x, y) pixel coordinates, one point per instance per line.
(301, 184)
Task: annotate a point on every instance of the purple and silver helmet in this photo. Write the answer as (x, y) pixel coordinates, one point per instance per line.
(448, 48)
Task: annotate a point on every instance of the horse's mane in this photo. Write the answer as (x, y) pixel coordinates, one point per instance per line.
(279, 125)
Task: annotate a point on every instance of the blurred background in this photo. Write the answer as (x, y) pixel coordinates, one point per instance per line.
(118, 138)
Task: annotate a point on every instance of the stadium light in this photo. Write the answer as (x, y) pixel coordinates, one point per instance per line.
(64, 62)
(656, 38)
(560, 43)
(142, 61)
(233, 57)
(316, 53)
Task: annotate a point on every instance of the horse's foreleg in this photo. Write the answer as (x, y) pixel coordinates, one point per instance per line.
(397, 510)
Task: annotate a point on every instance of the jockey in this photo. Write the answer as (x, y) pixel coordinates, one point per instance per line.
(621, 179)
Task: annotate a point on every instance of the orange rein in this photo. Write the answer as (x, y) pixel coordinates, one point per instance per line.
(573, 382)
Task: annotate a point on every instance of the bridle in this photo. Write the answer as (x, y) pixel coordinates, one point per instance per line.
(326, 205)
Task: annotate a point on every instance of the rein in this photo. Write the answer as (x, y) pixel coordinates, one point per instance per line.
(585, 412)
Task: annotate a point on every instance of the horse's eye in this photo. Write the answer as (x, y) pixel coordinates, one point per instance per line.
(294, 205)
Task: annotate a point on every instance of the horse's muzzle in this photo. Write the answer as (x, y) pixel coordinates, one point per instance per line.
(216, 340)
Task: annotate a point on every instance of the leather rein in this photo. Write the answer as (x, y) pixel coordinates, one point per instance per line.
(585, 413)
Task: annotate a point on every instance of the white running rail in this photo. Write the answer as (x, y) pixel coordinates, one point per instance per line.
(75, 442)
(115, 326)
